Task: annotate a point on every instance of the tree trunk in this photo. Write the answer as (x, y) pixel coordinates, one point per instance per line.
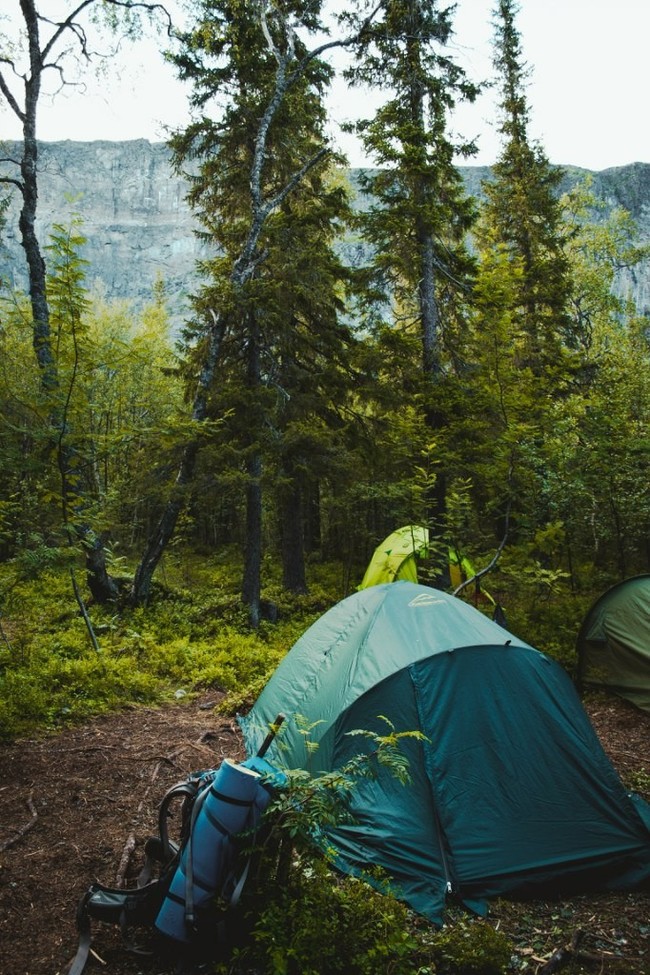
(252, 580)
(426, 258)
(160, 537)
(102, 587)
(162, 534)
(312, 522)
(293, 549)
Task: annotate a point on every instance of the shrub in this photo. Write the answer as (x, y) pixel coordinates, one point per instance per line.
(302, 918)
(471, 948)
(323, 924)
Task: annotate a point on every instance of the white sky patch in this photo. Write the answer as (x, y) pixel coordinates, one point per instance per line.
(587, 88)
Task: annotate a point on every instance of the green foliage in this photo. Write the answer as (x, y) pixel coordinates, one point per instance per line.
(310, 804)
(301, 917)
(471, 948)
(639, 781)
(187, 639)
(92, 448)
(321, 924)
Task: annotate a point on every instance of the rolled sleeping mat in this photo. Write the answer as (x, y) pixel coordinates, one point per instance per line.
(233, 801)
(273, 777)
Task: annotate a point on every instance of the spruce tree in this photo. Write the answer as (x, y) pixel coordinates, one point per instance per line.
(522, 213)
(258, 159)
(524, 340)
(420, 215)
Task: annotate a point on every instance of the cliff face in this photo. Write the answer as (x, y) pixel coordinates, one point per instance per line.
(137, 223)
(140, 228)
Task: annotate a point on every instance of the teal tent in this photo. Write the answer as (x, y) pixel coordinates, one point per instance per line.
(613, 644)
(511, 792)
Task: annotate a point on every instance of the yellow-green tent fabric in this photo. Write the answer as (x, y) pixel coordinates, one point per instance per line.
(395, 557)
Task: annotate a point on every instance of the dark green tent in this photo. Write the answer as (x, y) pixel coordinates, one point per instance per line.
(614, 642)
(511, 793)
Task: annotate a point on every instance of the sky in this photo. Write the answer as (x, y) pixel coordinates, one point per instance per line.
(587, 89)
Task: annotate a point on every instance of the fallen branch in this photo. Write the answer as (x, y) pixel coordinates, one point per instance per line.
(84, 612)
(562, 956)
(23, 829)
(125, 859)
(571, 953)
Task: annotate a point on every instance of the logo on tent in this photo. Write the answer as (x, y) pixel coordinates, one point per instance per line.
(425, 600)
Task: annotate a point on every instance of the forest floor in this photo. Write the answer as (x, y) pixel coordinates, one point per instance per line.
(77, 806)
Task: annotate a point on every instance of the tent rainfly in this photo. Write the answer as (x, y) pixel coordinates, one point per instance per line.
(511, 791)
(613, 644)
(395, 558)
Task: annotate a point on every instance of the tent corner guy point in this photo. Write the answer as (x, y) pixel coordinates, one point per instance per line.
(511, 792)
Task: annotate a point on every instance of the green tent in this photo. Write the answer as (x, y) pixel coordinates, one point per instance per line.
(614, 642)
(511, 792)
(395, 557)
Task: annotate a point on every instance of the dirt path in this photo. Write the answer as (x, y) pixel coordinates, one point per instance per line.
(72, 804)
(79, 797)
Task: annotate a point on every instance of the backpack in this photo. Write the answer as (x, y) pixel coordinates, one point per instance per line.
(198, 884)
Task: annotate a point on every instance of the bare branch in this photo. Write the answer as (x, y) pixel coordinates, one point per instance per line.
(8, 181)
(267, 34)
(8, 94)
(22, 830)
(70, 22)
(495, 558)
(296, 179)
(63, 27)
(341, 42)
(283, 82)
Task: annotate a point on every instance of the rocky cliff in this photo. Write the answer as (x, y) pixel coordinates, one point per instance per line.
(139, 227)
(137, 223)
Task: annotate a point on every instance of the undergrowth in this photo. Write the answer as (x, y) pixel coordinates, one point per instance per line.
(194, 635)
(301, 917)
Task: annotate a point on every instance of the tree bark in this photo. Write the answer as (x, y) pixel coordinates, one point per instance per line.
(101, 585)
(252, 579)
(293, 549)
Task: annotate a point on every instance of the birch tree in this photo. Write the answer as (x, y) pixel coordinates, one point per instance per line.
(50, 46)
(251, 63)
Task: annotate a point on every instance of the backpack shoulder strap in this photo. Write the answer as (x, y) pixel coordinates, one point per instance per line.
(137, 906)
(140, 905)
(186, 791)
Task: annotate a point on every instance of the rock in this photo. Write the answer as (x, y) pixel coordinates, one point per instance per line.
(138, 225)
(140, 229)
